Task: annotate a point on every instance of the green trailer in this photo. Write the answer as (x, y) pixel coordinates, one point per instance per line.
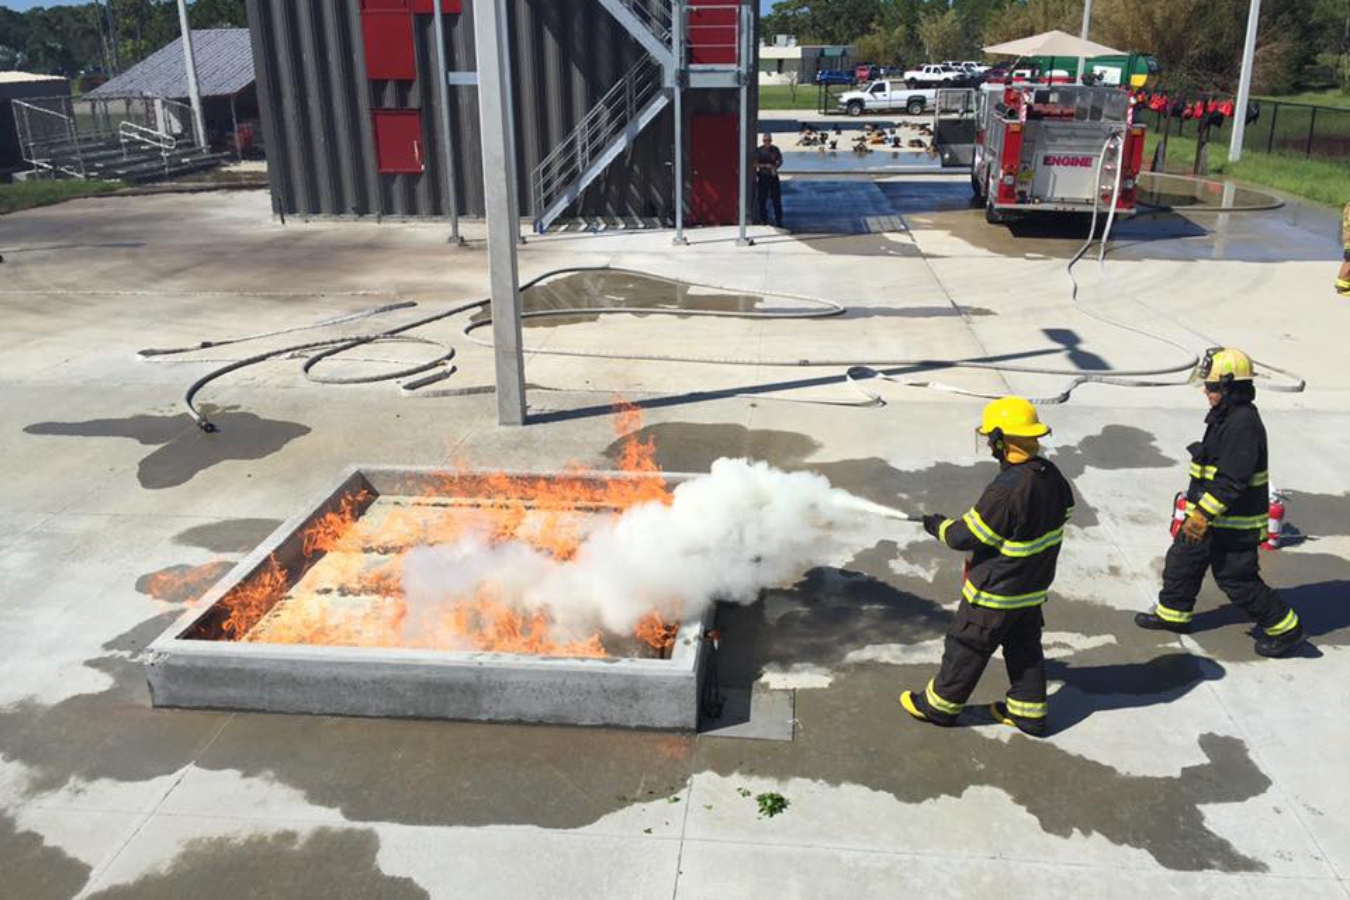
(1138, 70)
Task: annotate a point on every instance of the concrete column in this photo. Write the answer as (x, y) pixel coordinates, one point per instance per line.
(677, 51)
(1245, 84)
(503, 219)
(509, 98)
(1083, 35)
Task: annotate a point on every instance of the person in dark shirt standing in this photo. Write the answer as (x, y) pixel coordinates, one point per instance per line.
(768, 160)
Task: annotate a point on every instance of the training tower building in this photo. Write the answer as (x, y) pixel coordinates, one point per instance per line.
(603, 94)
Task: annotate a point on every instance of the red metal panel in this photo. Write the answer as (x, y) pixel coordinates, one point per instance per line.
(713, 33)
(385, 5)
(398, 141)
(449, 7)
(388, 38)
(715, 151)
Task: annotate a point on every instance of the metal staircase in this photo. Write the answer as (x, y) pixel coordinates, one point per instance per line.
(650, 22)
(606, 131)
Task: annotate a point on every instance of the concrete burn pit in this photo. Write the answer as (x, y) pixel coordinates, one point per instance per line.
(336, 614)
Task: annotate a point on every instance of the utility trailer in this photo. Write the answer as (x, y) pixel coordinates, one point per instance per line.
(1054, 149)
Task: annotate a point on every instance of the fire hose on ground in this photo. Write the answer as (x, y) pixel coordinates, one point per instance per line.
(856, 370)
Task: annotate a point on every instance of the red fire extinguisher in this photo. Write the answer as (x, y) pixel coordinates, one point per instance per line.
(1275, 522)
(1179, 513)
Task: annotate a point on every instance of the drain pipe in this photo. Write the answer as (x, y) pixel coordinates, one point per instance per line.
(447, 138)
(190, 61)
(746, 141)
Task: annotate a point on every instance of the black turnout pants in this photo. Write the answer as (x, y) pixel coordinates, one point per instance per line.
(977, 632)
(769, 187)
(1234, 558)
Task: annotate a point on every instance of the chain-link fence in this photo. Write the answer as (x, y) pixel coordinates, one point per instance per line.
(1273, 126)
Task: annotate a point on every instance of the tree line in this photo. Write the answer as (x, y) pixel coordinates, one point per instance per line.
(1302, 44)
(101, 36)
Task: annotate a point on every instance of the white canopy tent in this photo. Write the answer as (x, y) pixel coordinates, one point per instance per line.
(1053, 44)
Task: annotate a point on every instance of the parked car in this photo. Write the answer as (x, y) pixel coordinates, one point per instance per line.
(881, 96)
(835, 76)
(864, 72)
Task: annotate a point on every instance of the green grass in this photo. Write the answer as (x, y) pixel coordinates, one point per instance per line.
(1317, 98)
(779, 96)
(30, 194)
(1318, 180)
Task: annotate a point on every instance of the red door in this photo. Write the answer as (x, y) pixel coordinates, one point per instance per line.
(398, 141)
(715, 150)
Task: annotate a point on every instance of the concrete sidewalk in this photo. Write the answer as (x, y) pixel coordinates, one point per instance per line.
(1177, 767)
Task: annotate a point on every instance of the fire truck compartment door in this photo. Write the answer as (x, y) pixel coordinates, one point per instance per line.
(1064, 164)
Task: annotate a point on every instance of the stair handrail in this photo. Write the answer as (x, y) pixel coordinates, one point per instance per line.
(150, 137)
(604, 122)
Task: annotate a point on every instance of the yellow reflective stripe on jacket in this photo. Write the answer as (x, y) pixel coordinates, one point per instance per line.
(1022, 549)
(977, 597)
(982, 532)
(1342, 286)
(942, 529)
(1024, 709)
(1175, 616)
(1288, 623)
(1209, 473)
(1210, 504)
(1240, 522)
(943, 706)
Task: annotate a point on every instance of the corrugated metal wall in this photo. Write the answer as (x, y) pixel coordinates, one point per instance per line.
(316, 101)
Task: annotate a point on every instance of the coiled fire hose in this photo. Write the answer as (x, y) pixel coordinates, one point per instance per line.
(856, 370)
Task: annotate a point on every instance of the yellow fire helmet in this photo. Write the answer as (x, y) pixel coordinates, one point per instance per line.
(1224, 365)
(1014, 417)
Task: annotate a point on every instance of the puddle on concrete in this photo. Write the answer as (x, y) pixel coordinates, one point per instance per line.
(110, 734)
(609, 288)
(328, 862)
(34, 871)
(1184, 193)
(184, 449)
(182, 583)
(228, 535)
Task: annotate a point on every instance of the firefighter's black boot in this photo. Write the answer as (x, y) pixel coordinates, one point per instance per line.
(1154, 622)
(1280, 644)
(1035, 727)
(916, 704)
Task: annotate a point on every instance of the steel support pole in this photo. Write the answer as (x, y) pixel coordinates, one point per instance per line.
(503, 220)
(190, 61)
(745, 142)
(509, 98)
(1244, 83)
(447, 137)
(677, 52)
(1083, 35)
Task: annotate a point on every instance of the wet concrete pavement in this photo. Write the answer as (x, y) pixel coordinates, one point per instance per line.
(1175, 767)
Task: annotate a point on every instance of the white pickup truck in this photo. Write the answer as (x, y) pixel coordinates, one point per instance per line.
(884, 96)
(935, 75)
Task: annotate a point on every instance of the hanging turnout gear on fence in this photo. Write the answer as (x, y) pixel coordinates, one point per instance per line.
(1013, 534)
(1227, 505)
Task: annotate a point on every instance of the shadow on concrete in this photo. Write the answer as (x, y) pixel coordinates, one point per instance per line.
(1094, 689)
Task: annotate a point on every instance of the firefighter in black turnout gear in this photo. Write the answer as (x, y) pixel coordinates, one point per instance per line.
(768, 160)
(1227, 504)
(1013, 534)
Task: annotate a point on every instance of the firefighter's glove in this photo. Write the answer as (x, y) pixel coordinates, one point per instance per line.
(932, 522)
(1194, 529)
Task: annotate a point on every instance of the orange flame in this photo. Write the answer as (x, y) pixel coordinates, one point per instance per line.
(356, 597)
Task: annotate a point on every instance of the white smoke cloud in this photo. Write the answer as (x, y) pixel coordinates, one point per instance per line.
(724, 536)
